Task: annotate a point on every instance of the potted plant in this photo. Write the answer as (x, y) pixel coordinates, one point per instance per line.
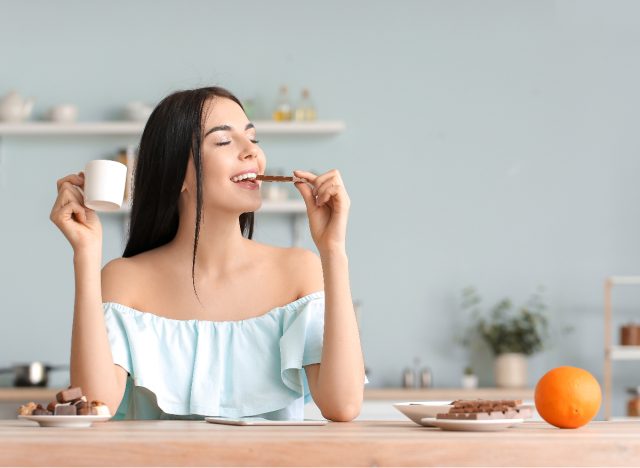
(511, 335)
(469, 379)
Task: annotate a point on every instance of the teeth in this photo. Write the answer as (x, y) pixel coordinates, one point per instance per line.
(249, 175)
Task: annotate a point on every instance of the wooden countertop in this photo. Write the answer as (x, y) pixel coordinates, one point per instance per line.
(370, 443)
(25, 394)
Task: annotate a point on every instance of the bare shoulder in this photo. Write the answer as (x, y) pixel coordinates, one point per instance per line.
(119, 279)
(295, 265)
(306, 267)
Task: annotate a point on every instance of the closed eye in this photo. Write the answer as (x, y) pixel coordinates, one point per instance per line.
(222, 143)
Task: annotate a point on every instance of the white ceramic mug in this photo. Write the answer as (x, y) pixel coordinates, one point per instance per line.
(104, 182)
(64, 113)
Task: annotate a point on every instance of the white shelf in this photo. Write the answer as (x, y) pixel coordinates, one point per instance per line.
(624, 353)
(264, 127)
(624, 280)
(283, 207)
(614, 352)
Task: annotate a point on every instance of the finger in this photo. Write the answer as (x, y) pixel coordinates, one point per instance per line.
(68, 193)
(307, 194)
(319, 180)
(331, 182)
(68, 210)
(309, 176)
(77, 179)
(326, 194)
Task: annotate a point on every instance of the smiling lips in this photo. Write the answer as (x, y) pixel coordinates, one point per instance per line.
(246, 181)
(245, 176)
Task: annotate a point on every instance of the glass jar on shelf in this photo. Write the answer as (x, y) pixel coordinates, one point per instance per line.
(633, 405)
(283, 112)
(305, 110)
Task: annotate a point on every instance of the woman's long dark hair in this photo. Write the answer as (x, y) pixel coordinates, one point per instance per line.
(172, 134)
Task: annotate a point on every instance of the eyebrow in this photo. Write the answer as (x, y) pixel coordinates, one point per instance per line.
(227, 127)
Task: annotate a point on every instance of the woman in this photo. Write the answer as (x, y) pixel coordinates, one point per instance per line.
(196, 318)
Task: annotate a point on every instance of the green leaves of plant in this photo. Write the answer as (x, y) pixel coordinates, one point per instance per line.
(505, 330)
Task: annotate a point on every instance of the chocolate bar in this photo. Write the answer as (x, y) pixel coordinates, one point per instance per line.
(69, 395)
(67, 409)
(41, 412)
(81, 403)
(485, 403)
(275, 178)
(486, 409)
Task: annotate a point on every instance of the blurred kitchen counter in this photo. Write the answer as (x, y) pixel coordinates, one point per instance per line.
(420, 394)
(37, 394)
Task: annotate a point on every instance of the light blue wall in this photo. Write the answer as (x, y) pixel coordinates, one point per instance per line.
(491, 143)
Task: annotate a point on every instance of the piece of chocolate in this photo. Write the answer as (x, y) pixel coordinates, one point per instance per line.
(485, 403)
(84, 411)
(273, 178)
(51, 406)
(80, 403)
(69, 395)
(65, 410)
(479, 415)
(486, 409)
(41, 412)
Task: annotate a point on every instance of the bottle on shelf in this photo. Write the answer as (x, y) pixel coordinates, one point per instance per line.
(282, 111)
(408, 378)
(633, 405)
(305, 110)
(426, 378)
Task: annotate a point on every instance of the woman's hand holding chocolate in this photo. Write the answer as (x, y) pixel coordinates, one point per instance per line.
(327, 207)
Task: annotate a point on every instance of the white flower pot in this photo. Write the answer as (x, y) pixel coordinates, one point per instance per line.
(469, 381)
(511, 370)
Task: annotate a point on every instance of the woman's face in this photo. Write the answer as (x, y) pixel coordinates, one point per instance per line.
(229, 147)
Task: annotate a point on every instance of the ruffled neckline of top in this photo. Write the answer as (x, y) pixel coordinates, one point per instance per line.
(290, 306)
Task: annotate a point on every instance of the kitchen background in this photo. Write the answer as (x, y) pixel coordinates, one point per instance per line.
(487, 143)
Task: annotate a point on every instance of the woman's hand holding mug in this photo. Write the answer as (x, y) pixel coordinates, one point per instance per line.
(79, 224)
(99, 187)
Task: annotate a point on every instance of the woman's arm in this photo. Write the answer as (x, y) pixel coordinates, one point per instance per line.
(92, 367)
(337, 383)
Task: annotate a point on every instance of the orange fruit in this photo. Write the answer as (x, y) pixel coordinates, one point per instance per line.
(568, 397)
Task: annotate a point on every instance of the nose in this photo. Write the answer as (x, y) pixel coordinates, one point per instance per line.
(248, 155)
(250, 150)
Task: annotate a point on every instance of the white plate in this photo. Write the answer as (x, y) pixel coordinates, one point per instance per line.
(65, 421)
(418, 410)
(472, 425)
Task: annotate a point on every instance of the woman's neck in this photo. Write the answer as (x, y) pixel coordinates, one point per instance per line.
(221, 246)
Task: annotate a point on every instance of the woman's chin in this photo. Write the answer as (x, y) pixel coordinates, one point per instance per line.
(250, 207)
